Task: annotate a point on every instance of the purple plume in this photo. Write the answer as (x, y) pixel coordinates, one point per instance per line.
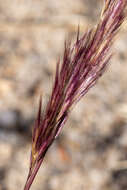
(82, 65)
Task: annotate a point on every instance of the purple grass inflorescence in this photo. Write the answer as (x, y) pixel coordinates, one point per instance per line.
(82, 65)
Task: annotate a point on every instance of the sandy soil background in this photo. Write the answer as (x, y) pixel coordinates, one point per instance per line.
(91, 152)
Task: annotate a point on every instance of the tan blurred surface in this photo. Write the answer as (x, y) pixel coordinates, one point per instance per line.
(91, 151)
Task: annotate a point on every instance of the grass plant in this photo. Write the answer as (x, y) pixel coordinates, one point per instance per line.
(83, 63)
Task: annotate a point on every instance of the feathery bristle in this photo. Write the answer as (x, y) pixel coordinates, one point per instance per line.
(82, 65)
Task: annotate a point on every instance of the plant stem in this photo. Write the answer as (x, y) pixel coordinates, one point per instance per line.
(31, 176)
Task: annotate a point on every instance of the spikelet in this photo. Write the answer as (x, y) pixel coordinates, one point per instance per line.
(82, 65)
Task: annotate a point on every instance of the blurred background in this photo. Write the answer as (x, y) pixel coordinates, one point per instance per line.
(91, 151)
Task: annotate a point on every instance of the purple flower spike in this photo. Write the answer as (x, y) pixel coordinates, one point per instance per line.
(82, 65)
